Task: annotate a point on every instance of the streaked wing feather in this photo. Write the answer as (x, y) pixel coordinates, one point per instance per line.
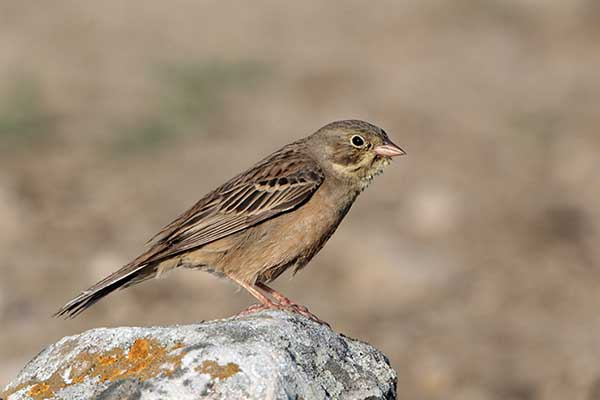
(280, 183)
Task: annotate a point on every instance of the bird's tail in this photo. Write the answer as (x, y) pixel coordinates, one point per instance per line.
(129, 275)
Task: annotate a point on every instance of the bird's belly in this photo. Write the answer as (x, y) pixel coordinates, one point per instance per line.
(265, 251)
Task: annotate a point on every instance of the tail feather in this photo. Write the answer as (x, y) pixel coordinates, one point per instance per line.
(127, 276)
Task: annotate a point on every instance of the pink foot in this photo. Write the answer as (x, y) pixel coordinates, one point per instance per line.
(285, 302)
(298, 309)
(289, 307)
(255, 308)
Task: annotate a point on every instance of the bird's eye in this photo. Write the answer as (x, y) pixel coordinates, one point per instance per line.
(357, 141)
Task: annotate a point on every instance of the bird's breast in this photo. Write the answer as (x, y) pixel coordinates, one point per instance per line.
(290, 239)
(303, 231)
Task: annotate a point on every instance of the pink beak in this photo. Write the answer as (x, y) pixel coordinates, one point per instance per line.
(389, 149)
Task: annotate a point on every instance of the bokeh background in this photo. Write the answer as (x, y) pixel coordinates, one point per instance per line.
(473, 263)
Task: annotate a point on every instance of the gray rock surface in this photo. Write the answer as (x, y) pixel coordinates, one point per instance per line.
(267, 355)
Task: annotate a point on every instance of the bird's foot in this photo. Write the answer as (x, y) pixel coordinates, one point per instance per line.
(289, 307)
(281, 299)
(289, 304)
(254, 308)
(299, 309)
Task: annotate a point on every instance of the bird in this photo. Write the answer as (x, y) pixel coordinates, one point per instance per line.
(274, 216)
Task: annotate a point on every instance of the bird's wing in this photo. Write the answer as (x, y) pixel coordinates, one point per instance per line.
(280, 183)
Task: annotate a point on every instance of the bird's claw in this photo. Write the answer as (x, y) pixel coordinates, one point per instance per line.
(287, 306)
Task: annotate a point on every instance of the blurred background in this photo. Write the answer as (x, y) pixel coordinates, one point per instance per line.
(473, 262)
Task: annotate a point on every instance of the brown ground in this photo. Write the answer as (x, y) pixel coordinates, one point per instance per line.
(473, 262)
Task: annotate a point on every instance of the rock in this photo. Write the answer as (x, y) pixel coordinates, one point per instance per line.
(267, 355)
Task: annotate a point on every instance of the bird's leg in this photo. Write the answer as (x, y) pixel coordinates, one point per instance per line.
(265, 302)
(281, 299)
(284, 304)
(287, 304)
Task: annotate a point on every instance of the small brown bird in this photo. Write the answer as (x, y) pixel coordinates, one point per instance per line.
(274, 216)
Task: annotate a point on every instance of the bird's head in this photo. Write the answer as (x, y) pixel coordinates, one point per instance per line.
(353, 150)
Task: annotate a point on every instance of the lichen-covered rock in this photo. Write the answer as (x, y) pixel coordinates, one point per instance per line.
(267, 355)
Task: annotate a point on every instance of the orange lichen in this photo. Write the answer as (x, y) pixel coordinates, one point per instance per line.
(106, 360)
(144, 359)
(217, 371)
(139, 350)
(40, 391)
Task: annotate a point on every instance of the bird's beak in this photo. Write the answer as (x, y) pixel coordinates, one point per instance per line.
(389, 149)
